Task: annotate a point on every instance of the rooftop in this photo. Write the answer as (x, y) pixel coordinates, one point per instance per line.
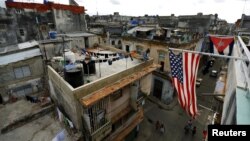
(19, 56)
(44, 128)
(86, 101)
(140, 28)
(77, 34)
(17, 47)
(107, 63)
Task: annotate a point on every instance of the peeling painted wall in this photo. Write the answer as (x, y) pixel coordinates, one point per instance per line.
(66, 21)
(7, 28)
(8, 81)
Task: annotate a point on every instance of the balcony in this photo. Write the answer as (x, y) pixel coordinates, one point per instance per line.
(128, 126)
(102, 132)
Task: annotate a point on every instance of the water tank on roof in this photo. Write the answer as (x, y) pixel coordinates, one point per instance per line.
(89, 67)
(70, 57)
(52, 34)
(74, 77)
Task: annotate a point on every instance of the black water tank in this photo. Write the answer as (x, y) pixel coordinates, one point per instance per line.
(74, 77)
(89, 68)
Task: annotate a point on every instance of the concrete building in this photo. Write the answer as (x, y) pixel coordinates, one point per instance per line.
(7, 27)
(237, 97)
(245, 23)
(37, 21)
(161, 82)
(197, 23)
(22, 70)
(168, 21)
(106, 103)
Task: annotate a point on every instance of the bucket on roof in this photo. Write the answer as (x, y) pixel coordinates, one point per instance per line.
(52, 34)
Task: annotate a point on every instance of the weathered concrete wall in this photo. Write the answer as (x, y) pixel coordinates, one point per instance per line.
(80, 42)
(7, 29)
(66, 21)
(106, 81)
(77, 42)
(62, 94)
(118, 105)
(53, 49)
(155, 49)
(93, 40)
(8, 79)
(167, 89)
(146, 84)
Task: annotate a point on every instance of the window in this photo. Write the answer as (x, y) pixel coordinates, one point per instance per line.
(116, 95)
(161, 55)
(139, 50)
(21, 31)
(3, 27)
(127, 48)
(22, 72)
(22, 91)
(113, 42)
(18, 11)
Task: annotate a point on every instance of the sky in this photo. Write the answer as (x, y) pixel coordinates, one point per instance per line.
(229, 10)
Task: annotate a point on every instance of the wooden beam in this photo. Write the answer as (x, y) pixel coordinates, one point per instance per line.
(100, 94)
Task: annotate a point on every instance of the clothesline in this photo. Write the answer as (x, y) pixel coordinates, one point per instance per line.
(210, 54)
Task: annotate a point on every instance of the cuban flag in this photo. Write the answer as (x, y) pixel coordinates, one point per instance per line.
(221, 45)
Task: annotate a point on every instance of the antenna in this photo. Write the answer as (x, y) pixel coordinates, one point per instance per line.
(244, 7)
(96, 7)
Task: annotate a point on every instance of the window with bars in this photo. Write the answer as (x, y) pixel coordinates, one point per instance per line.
(116, 95)
(21, 72)
(21, 31)
(139, 50)
(97, 114)
(161, 55)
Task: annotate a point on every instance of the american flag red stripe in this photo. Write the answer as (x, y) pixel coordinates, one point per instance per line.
(184, 72)
(179, 88)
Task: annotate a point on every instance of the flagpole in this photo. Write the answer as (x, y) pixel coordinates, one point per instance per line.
(209, 54)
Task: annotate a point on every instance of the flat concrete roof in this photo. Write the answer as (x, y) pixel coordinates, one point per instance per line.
(19, 56)
(13, 111)
(87, 101)
(103, 69)
(81, 34)
(44, 128)
(19, 46)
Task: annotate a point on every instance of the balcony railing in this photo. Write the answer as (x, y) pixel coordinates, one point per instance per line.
(102, 132)
(243, 51)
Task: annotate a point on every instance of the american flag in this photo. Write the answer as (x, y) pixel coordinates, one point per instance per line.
(184, 68)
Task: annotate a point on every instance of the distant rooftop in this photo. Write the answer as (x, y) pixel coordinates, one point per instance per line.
(19, 52)
(140, 28)
(20, 46)
(77, 34)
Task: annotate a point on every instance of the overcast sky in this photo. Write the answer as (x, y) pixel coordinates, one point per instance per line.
(230, 10)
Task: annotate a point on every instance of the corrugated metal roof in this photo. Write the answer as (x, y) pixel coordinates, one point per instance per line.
(19, 46)
(139, 28)
(84, 34)
(28, 44)
(15, 57)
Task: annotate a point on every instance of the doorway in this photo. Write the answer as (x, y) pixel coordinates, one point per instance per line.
(158, 84)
